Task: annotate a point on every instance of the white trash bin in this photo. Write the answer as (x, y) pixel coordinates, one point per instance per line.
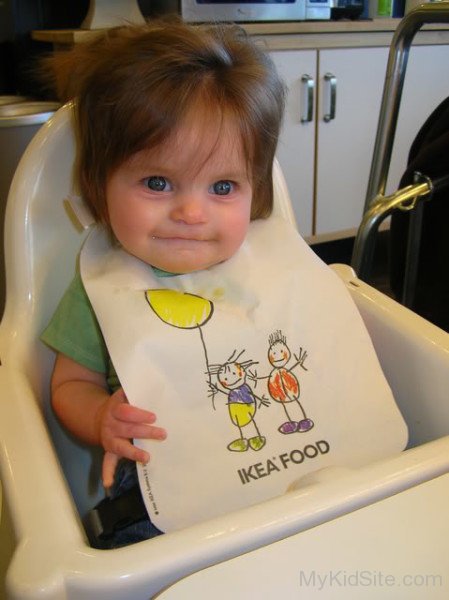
(19, 121)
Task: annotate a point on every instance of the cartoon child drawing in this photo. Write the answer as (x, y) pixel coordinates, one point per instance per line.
(242, 401)
(283, 385)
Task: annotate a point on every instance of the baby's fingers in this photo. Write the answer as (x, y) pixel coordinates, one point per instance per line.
(132, 414)
(125, 449)
(139, 431)
(109, 466)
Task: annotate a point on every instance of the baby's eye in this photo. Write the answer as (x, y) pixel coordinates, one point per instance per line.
(222, 188)
(156, 183)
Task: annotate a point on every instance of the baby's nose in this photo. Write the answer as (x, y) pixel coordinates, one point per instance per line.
(190, 208)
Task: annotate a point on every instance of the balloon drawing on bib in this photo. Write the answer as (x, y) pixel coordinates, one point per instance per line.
(182, 310)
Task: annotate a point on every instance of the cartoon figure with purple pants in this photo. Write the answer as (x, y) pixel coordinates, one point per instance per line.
(283, 385)
(242, 402)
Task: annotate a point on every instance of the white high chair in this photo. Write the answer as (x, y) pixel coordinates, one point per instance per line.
(49, 479)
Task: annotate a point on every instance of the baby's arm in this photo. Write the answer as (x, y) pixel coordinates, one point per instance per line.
(83, 404)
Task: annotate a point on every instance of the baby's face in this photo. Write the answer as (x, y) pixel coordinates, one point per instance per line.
(186, 205)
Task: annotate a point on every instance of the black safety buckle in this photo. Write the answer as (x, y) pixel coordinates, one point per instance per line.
(113, 514)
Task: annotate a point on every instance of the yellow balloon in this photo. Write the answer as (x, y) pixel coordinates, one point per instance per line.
(179, 309)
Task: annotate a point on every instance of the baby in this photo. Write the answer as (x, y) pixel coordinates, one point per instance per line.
(192, 299)
(177, 128)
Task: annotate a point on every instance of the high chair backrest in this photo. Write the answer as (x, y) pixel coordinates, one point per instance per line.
(41, 246)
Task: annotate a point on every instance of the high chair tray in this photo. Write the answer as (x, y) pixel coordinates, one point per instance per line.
(396, 548)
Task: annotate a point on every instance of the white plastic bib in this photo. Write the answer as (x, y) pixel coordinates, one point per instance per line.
(260, 369)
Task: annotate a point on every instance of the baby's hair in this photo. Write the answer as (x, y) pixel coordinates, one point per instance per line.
(134, 86)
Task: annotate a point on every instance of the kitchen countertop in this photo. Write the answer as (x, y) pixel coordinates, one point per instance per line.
(289, 35)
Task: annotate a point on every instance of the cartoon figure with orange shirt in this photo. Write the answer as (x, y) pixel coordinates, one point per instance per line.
(283, 385)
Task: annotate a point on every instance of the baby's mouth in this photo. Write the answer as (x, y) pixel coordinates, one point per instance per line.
(177, 238)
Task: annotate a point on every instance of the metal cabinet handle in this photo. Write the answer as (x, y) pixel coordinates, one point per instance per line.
(308, 84)
(332, 81)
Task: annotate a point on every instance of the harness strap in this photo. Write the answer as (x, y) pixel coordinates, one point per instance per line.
(113, 514)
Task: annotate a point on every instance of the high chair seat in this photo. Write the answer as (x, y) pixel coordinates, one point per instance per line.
(49, 480)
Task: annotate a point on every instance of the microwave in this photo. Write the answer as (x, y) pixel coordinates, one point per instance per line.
(197, 11)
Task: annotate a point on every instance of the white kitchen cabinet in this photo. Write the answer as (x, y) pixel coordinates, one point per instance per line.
(326, 161)
(296, 150)
(345, 144)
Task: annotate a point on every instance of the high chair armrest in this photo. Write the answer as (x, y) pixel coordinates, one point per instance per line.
(32, 479)
(413, 354)
(153, 563)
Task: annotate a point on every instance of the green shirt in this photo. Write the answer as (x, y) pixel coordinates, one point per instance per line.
(75, 332)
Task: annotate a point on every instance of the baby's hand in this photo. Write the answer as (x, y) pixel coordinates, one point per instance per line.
(119, 422)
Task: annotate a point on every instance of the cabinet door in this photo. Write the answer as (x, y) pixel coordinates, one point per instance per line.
(296, 150)
(345, 143)
(426, 85)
